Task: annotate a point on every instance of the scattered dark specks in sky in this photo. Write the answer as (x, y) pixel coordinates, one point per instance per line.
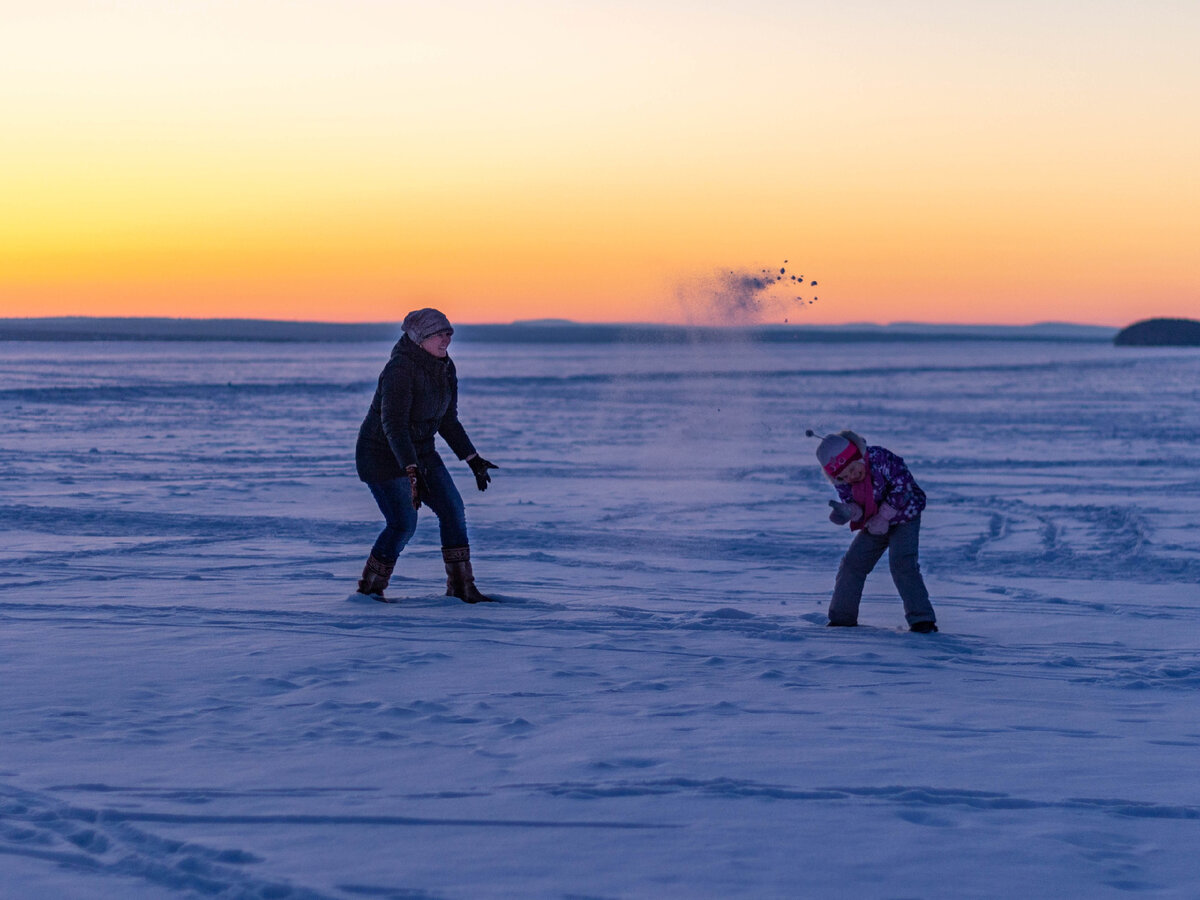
(741, 296)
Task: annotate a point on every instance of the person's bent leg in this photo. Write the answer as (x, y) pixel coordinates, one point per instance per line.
(394, 499)
(445, 500)
(906, 573)
(864, 552)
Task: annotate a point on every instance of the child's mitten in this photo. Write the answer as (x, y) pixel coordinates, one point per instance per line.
(882, 520)
(841, 513)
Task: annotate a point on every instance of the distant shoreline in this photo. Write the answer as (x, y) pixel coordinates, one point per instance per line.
(76, 328)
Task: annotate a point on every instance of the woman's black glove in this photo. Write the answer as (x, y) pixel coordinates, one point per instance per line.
(480, 467)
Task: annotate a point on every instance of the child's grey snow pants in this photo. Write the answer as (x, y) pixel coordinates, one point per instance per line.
(865, 550)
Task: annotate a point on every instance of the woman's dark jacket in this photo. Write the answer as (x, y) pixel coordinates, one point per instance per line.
(416, 398)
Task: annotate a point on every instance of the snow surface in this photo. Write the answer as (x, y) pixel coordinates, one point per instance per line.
(193, 703)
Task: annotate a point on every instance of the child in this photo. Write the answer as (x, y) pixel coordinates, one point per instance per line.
(882, 502)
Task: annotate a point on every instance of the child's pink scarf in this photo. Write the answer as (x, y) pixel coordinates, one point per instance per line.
(864, 496)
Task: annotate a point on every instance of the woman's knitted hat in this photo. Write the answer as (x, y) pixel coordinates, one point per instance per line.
(421, 324)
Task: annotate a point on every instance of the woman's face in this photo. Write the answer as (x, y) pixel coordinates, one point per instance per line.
(853, 473)
(437, 344)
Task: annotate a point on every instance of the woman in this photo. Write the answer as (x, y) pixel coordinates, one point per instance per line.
(416, 398)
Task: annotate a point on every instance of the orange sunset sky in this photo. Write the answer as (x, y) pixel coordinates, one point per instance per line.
(946, 160)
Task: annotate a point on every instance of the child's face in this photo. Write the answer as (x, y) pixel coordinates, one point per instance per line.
(853, 473)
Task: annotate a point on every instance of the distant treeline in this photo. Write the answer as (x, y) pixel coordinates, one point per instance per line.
(1160, 333)
(541, 332)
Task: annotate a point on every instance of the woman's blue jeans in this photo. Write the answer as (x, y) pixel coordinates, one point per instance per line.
(395, 502)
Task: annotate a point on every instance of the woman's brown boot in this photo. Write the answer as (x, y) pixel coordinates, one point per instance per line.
(375, 578)
(460, 580)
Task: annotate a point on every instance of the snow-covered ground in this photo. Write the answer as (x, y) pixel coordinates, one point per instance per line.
(193, 703)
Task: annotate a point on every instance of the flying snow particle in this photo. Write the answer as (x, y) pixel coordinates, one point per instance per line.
(737, 296)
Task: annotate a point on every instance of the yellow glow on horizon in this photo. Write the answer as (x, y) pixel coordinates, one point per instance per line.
(991, 162)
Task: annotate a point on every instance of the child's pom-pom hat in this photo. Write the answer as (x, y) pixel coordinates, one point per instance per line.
(836, 451)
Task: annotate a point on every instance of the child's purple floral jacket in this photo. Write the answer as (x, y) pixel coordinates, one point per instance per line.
(893, 483)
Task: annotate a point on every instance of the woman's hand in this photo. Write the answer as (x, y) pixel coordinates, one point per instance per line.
(416, 483)
(479, 466)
